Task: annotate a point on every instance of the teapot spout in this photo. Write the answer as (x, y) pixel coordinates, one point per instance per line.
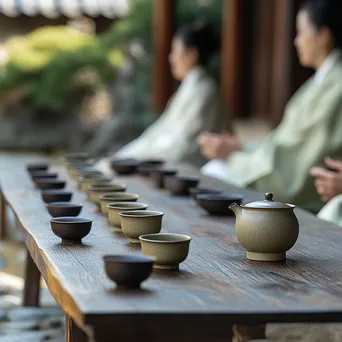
(236, 209)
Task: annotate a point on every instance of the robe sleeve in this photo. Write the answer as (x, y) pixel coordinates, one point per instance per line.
(204, 114)
(332, 211)
(287, 162)
(140, 146)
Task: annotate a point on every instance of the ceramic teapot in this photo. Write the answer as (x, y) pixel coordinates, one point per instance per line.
(266, 229)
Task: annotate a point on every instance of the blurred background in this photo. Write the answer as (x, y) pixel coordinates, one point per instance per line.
(72, 71)
(67, 68)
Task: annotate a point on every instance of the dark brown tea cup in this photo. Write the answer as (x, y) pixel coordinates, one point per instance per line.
(158, 176)
(71, 229)
(48, 183)
(60, 209)
(218, 204)
(56, 195)
(128, 270)
(180, 185)
(37, 167)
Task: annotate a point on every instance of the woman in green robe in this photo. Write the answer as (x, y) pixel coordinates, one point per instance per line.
(312, 125)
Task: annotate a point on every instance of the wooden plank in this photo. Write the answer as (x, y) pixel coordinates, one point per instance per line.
(215, 287)
(162, 37)
(32, 282)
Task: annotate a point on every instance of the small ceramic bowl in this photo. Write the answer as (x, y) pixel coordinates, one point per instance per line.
(128, 270)
(95, 191)
(140, 222)
(80, 164)
(147, 166)
(169, 249)
(37, 167)
(86, 181)
(88, 172)
(43, 174)
(180, 185)
(107, 198)
(71, 229)
(124, 166)
(49, 196)
(218, 204)
(96, 184)
(115, 208)
(76, 157)
(77, 169)
(48, 183)
(159, 174)
(145, 170)
(199, 191)
(78, 173)
(152, 162)
(60, 209)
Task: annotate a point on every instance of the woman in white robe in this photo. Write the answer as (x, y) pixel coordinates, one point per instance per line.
(195, 107)
(311, 127)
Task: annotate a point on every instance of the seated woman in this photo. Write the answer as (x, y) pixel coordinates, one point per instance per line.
(195, 107)
(328, 182)
(312, 124)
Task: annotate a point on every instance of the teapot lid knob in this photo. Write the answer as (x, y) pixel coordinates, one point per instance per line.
(269, 196)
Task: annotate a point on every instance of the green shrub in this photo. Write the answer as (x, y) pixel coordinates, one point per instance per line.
(48, 59)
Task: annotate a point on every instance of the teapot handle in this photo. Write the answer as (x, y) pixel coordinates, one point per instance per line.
(269, 196)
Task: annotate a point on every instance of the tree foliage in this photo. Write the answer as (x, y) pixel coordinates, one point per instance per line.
(48, 60)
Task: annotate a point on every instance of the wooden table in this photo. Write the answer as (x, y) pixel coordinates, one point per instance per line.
(215, 287)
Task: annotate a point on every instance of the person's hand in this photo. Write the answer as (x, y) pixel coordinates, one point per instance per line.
(328, 183)
(218, 146)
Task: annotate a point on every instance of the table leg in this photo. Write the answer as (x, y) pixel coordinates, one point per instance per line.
(3, 219)
(72, 332)
(32, 283)
(245, 333)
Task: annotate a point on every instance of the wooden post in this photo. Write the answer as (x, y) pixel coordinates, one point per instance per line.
(3, 218)
(73, 333)
(162, 37)
(244, 333)
(282, 61)
(262, 57)
(236, 55)
(32, 282)
(287, 74)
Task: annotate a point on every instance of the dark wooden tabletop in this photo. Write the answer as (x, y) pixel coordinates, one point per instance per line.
(216, 284)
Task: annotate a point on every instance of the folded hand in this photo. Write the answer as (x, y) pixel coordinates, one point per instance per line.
(328, 183)
(218, 146)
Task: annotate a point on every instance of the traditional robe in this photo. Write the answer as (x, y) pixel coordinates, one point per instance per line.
(332, 211)
(194, 108)
(310, 130)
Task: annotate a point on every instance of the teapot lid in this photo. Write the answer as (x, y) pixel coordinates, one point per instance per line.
(268, 203)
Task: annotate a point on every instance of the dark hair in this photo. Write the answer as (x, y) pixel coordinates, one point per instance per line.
(201, 36)
(326, 13)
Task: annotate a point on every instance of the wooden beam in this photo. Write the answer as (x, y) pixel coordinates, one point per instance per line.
(162, 37)
(287, 74)
(282, 57)
(236, 52)
(262, 57)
